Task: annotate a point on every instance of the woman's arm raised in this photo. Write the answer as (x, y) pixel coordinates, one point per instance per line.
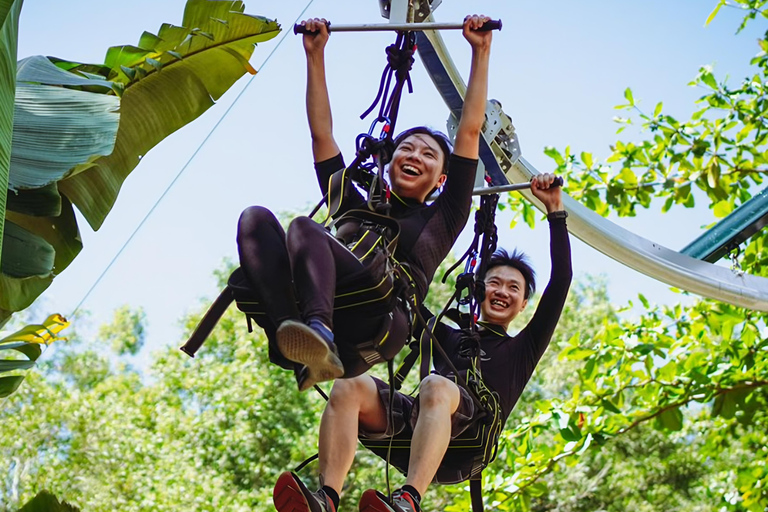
(318, 103)
(473, 112)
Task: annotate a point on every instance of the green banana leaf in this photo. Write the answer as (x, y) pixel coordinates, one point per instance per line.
(62, 120)
(47, 502)
(166, 82)
(9, 26)
(27, 342)
(61, 232)
(170, 79)
(78, 126)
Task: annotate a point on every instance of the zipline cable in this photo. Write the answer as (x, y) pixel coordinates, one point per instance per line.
(184, 168)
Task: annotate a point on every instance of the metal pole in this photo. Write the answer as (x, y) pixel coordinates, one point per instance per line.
(399, 27)
(484, 191)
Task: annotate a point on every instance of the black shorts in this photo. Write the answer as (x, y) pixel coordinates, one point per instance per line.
(456, 466)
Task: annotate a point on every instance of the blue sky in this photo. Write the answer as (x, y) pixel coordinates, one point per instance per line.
(558, 68)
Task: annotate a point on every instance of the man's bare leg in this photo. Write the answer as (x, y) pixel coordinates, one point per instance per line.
(438, 399)
(353, 403)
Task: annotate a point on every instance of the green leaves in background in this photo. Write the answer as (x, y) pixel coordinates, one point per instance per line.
(81, 129)
(169, 79)
(47, 502)
(26, 342)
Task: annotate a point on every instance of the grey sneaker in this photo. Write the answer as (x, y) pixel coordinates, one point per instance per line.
(291, 495)
(303, 344)
(373, 501)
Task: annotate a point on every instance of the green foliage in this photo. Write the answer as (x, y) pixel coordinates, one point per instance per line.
(696, 374)
(205, 434)
(81, 129)
(9, 25)
(126, 332)
(20, 350)
(47, 502)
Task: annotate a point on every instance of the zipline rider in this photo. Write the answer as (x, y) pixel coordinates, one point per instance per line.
(308, 263)
(443, 410)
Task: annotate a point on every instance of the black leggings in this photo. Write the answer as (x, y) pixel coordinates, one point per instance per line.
(305, 264)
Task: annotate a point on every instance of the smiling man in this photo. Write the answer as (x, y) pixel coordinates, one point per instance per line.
(442, 410)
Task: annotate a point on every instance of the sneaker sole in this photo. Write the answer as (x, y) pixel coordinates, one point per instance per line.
(371, 501)
(301, 344)
(288, 495)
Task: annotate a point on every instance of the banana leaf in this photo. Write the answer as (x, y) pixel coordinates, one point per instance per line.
(26, 254)
(18, 291)
(77, 127)
(9, 25)
(166, 82)
(170, 79)
(47, 502)
(27, 342)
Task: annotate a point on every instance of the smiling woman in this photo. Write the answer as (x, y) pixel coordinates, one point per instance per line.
(420, 162)
(306, 333)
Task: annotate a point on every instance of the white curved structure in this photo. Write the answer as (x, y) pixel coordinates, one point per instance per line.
(499, 153)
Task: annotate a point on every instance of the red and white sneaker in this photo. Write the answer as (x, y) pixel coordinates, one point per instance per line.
(291, 495)
(373, 501)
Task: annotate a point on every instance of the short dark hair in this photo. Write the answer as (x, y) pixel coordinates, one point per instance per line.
(518, 260)
(442, 140)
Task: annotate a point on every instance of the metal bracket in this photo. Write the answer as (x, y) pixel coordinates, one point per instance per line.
(408, 11)
(497, 128)
(423, 8)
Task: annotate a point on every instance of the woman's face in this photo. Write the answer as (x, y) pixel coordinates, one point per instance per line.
(417, 167)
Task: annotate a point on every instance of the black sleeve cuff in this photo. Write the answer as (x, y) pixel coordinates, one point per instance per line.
(330, 166)
(558, 216)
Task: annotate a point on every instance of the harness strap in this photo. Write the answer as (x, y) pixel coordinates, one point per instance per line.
(426, 348)
(208, 322)
(476, 492)
(459, 378)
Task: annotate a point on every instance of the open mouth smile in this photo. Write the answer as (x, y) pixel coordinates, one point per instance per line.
(499, 303)
(410, 170)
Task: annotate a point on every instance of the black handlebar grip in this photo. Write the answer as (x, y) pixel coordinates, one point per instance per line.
(490, 25)
(558, 181)
(298, 28)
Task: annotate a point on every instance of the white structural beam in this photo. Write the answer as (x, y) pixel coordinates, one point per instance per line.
(638, 253)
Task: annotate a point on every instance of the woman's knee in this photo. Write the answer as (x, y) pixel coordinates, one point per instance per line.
(437, 391)
(253, 219)
(301, 227)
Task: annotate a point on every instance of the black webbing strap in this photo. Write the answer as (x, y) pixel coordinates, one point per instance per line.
(436, 344)
(476, 492)
(399, 62)
(208, 322)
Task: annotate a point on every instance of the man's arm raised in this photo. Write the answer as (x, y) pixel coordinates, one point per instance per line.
(318, 103)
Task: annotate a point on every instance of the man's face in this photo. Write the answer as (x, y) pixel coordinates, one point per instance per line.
(504, 295)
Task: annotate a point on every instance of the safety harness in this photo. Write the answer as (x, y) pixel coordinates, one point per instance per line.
(369, 233)
(471, 451)
(372, 236)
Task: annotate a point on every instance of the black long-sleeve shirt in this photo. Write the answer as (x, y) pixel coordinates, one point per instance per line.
(508, 361)
(427, 232)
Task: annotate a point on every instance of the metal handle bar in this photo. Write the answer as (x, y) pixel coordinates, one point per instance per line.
(399, 27)
(484, 191)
